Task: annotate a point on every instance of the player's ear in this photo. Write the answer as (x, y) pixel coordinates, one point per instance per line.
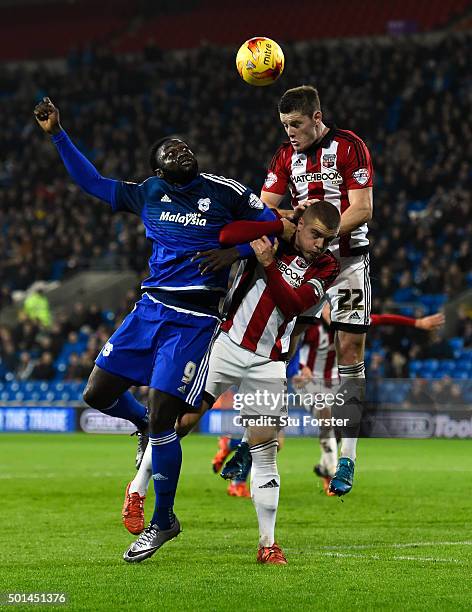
(317, 117)
(159, 173)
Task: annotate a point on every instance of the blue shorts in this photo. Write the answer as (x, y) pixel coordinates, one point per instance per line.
(163, 347)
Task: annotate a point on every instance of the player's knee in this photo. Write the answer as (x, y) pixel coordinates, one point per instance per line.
(350, 348)
(260, 435)
(164, 409)
(91, 397)
(187, 421)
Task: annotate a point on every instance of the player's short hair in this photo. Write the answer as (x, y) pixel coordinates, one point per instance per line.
(303, 99)
(154, 149)
(325, 212)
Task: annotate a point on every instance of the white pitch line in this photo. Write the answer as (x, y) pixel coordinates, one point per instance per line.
(396, 558)
(39, 475)
(394, 545)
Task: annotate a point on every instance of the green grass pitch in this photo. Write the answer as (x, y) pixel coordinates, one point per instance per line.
(401, 540)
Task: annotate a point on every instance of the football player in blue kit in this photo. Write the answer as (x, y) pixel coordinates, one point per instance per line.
(164, 343)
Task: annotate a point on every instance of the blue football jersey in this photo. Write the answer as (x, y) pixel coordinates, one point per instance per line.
(182, 220)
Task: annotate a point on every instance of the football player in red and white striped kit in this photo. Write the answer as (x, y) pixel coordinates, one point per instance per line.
(317, 362)
(250, 352)
(268, 294)
(327, 163)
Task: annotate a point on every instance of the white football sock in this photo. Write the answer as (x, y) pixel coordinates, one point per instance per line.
(329, 452)
(346, 372)
(348, 448)
(143, 476)
(265, 488)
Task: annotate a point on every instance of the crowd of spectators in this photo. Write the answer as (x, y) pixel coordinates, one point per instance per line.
(408, 98)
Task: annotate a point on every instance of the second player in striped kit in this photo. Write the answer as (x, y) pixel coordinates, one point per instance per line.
(321, 162)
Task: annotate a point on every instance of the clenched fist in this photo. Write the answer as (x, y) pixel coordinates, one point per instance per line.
(47, 115)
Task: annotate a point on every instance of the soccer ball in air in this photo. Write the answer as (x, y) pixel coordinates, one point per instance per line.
(260, 61)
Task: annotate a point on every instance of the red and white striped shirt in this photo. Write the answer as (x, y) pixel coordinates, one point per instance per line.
(326, 171)
(254, 320)
(318, 353)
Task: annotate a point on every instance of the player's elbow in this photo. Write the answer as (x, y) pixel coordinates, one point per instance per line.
(365, 212)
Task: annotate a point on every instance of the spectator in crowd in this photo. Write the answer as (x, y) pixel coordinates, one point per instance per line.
(36, 308)
(44, 369)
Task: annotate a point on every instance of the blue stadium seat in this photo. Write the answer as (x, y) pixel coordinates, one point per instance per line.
(429, 374)
(431, 364)
(447, 366)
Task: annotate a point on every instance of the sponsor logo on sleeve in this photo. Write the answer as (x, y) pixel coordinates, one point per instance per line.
(255, 202)
(361, 176)
(107, 349)
(271, 179)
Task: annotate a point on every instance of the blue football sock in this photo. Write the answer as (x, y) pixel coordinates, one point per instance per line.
(166, 462)
(234, 442)
(128, 407)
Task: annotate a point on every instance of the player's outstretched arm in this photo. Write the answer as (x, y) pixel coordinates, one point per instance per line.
(80, 169)
(430, 323)
(240, 234)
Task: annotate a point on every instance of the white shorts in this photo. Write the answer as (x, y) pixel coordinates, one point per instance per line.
(234, 366)
(349, 296)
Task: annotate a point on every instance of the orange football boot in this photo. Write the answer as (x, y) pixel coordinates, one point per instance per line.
(133, 511)
(322, 474)
(271, 555)
(238, 489)
(223, 451)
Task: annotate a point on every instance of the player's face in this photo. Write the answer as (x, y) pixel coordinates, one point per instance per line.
(313, 238)
(300, 129)
(176, 163)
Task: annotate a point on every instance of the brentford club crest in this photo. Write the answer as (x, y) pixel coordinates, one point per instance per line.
(301, 263)
(329, 160)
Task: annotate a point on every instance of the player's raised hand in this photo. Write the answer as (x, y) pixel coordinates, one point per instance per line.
(47, 115)
(289, 229)
(305, 376)
(264, 250)
(301, 207)
(431, 323)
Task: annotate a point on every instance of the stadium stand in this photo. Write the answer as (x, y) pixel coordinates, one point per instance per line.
(411, 113)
